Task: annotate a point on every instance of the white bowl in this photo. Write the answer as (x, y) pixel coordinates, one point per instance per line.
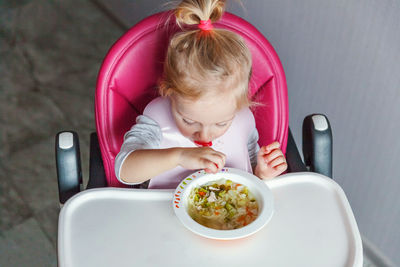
(258, 188)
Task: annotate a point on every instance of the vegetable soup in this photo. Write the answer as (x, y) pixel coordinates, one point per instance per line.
(222, 205)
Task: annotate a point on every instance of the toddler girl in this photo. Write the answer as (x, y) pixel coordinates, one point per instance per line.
(202, 119)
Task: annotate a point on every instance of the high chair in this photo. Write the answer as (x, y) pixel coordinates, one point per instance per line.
(111, 225)
(127, 83)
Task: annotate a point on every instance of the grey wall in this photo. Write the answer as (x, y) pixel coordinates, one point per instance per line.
(342, 58)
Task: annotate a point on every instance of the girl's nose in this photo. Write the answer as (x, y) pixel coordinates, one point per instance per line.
(204, 135)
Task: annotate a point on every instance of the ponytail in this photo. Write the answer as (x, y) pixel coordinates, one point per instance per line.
(191, 12)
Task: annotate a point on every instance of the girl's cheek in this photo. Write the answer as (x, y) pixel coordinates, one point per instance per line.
(219, 132)
(185, 131)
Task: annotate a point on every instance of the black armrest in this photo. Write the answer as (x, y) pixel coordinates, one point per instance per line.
(68, 163)
(295, 164)
(97, 175)
(317, 144)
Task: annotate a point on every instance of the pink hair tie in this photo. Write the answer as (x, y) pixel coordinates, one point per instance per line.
(205, 25)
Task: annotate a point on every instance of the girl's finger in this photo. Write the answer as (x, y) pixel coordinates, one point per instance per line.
(272, 146)
(211, 166)
(273, 155)
(262, 151)
(212, 155)
(220, 164)
(221, 154)
(277, 161)
(223, 159)
(217, 159)
(281, 167)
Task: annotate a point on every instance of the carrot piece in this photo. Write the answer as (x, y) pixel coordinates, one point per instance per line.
(249, 211)
(201, 193)
(241, 218)
(216, 213)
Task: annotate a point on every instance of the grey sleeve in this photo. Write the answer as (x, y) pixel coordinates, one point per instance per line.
(145, 134)
(253, 147)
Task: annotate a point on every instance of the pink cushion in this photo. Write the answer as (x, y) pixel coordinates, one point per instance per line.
(128, 77)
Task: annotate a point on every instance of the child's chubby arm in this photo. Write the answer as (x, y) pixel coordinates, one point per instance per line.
(270, 161)
(144, 164)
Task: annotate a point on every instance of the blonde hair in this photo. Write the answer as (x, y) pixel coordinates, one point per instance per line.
(201, 62)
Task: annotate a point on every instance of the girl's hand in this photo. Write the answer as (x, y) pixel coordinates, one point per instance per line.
(270, 161)
(201, 158)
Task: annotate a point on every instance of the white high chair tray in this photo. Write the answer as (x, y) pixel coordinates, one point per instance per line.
(313, 225)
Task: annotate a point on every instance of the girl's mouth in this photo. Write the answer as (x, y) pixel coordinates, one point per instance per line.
(200, 143)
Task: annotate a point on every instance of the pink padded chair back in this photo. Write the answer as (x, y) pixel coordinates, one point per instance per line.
(128, 77)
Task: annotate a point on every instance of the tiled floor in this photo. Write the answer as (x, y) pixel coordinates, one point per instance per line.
(50, 53)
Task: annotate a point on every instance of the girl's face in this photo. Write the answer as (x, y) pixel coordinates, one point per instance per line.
(204, 119)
